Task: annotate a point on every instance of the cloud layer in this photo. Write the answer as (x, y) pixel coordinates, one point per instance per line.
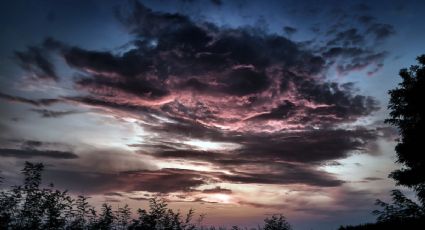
(233, 105)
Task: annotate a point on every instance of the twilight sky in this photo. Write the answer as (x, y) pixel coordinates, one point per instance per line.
(238, 109)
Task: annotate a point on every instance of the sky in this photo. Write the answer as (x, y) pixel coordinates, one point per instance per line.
(239, 109)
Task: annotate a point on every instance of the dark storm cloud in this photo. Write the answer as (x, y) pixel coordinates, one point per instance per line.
(264, 92)
(305, 150)
(109, 71)
(344, 103)
(244, 81)
(30, 153)
(281, 112)
(130, 64)
(157, 181)
(84, 182)
(171, 180)
(314, 178)
(180, 180)
(308, 146)
(36, 61)
(111, 87)
(174, 56)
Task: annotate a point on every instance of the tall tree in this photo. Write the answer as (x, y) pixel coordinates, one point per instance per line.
(407, 114)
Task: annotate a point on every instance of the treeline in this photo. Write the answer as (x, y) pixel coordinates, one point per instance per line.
(29, 206)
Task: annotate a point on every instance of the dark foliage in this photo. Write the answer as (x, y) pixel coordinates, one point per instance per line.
(276, 223)
(29, 206)
(407, 114)
(406, 224)
(400, 210)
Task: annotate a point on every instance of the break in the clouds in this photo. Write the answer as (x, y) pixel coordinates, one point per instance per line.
(202, 111)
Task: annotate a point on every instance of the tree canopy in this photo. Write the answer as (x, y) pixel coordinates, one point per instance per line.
(407, 114)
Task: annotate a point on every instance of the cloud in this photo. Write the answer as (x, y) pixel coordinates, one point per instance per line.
(307, 146)
(293, 176)
(289, 30)
(26, 149)
(372, 178)
(35, 60)
(156, 181)
(349, 37)
(217, 189)
(217, 2)
(38, 102)
(242, 71)
(172, 180)
(262, 92)
(366, 19)
(113, 194)
(30, 153)
(381, 31)
(270, 159)
(46, 113)
(361, 7)
(169, 180)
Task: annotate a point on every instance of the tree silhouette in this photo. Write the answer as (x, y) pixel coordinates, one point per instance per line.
(407, 114)
(161, 217)
(276, 222)
(29, 206)
(106, 218)
(57, 206)
(123, 217)
(9, 201)
(81, 214)
(400, 210)
(31, 212)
